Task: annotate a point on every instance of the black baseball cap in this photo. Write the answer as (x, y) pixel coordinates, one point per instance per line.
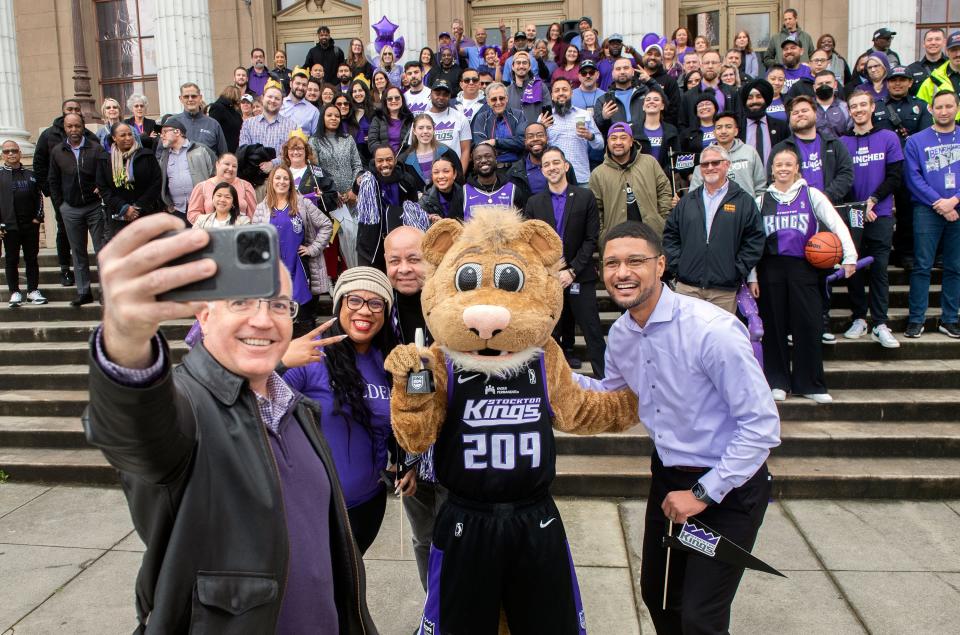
(441, 84)
(585, 64)
(899, 71)
(953, 41)
(521, 35)
(883, 32)
(790, 39)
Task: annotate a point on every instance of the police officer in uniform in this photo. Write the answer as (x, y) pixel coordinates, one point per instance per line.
(904, 114)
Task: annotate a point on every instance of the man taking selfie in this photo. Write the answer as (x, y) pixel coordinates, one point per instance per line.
(230, 484)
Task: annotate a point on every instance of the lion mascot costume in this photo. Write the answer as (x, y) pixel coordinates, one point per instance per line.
(491, 302)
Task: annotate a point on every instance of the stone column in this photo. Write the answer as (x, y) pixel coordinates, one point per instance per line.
(411, 15)
(184, 53)
(866, 16)
(12, 124)
(632, 19)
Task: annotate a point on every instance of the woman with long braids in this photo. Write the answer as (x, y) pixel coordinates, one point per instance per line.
(304, 233)
(226, 209)
(353, 391)
(128, 177)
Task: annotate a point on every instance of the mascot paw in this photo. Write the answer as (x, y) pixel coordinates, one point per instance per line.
(406, 359)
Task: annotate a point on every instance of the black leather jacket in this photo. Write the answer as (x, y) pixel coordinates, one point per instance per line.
(204, 493)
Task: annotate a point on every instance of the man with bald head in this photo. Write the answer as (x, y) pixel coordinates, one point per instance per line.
(199, 450)
(406, 270)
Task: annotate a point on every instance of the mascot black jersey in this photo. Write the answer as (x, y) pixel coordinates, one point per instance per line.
(497, 443)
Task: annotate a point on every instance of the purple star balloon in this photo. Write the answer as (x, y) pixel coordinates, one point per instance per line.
(385, 30)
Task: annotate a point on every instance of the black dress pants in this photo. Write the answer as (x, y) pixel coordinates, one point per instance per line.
(701, 590)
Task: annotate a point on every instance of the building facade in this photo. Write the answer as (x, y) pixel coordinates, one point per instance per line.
(54, 49)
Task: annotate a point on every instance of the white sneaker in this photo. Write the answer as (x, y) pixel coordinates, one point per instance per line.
(883, 335)
(820, 397)
(857, 330)
(16, 299)
(828, 338)
(779, 394)
(35, 297)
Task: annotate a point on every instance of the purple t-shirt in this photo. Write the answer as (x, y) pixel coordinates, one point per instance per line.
(871, 154)
(811, 166)
(655, 135)
(793, 75)
(394, 126)
(535, 177)
(305, 488)
(777, 110)
(359, 456)
(708, 135)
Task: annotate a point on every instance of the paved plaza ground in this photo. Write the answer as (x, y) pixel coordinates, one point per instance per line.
(69, 556)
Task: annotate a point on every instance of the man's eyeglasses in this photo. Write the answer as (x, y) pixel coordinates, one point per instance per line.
(496, 100)
(11, 151)
(355, 303)
(710, 164)
(588, 72)
(470, 80)
(190, 96)
(633, 262)
(278, 307)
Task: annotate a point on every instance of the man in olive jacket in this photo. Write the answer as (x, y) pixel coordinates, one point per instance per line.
(714, 236)
(629, 185)
(229, 480)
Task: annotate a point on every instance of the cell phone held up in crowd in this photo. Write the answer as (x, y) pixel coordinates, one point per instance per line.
(546, 110)
(248, 265)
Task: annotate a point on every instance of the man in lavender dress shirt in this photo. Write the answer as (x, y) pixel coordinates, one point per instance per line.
(229, 481)
(707, 408)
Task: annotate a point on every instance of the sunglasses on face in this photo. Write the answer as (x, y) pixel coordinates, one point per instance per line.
(395, 98)
(710, 164)
(470, 80)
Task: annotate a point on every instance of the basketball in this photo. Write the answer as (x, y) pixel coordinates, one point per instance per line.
(824, 250)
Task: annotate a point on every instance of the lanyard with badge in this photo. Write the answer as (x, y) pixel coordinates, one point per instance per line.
(949, 179)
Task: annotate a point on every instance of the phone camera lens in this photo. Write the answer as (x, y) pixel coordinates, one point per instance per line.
(253, 247)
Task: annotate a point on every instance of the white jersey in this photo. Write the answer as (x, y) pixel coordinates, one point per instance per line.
(450, 127)
(470, 107)
(418, 102)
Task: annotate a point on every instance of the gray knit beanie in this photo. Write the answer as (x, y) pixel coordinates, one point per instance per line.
(363, 279)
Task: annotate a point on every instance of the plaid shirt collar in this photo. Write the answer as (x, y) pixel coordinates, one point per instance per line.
(275, 405)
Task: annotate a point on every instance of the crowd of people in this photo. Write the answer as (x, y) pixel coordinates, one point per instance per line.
(733, 159)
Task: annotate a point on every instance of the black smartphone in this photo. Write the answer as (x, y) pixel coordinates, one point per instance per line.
(546, 110)
(248, 265)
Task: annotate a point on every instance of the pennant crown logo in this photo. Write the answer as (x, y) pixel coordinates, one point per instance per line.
(699, 540)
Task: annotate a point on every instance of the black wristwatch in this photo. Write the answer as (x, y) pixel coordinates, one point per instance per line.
(700, 493)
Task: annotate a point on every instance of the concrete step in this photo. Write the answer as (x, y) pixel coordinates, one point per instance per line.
(32, 357)
(42, 403)
(49, 276)
(602, 476)
(71, 331)
(866, 404)
(934, 439)
(793, 477)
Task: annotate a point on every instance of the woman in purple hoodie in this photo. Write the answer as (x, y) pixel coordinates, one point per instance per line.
(353, 390)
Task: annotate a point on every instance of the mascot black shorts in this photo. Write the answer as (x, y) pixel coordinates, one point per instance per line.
(485, 556)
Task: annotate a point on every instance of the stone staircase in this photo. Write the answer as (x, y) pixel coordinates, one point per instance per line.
(892, 431)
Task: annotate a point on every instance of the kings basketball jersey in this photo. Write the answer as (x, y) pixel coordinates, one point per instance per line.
(475, 197)
(497, 443)
(788, 224)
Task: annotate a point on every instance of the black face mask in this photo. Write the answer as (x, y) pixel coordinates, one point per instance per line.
(824, 92)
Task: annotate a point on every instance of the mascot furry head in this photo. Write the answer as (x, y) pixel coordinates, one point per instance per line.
(491, 302)
(494, 297)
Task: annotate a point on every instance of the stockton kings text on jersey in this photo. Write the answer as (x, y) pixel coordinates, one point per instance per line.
(497, 443)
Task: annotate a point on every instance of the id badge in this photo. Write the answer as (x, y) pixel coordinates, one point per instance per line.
(950, 180)
(575, 288)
